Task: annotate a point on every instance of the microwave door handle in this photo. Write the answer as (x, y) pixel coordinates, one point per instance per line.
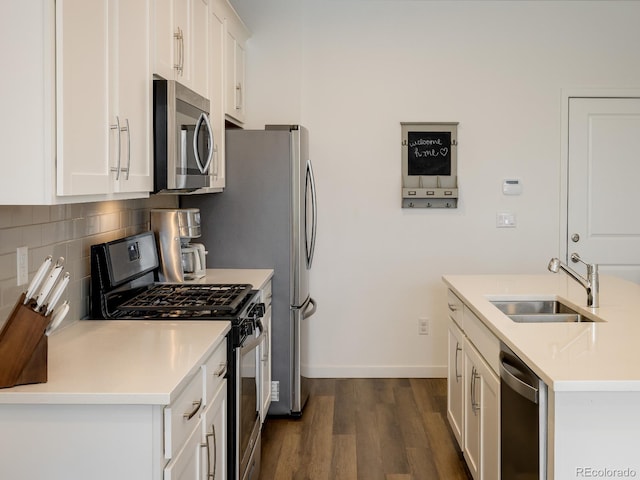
(203, 118)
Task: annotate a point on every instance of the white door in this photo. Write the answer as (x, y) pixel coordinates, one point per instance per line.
(603, 196)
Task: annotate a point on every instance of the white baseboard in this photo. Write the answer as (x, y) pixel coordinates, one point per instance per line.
(376, 371)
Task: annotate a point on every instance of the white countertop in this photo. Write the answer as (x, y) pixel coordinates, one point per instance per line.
(129, 362)
(257, 277)
(121, 362)
(598, 356)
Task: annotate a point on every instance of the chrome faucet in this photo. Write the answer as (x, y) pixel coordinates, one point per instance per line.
(591, 283)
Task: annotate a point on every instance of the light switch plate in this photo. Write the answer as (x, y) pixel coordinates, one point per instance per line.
(22, 265)
(506, 220)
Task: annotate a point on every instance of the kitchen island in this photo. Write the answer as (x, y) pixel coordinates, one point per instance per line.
(591, 368)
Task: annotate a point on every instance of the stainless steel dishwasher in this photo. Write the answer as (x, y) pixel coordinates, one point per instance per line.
(523, 420)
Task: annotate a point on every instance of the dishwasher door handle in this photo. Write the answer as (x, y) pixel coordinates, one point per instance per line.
(521, 388)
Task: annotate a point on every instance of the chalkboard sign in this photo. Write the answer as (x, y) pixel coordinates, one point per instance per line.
(429, 153)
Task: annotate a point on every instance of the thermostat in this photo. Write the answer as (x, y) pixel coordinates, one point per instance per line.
(512, 186)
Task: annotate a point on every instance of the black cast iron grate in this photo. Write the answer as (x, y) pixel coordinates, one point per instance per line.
(172, 297)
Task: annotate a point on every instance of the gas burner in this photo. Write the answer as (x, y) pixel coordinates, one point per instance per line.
(181, 298)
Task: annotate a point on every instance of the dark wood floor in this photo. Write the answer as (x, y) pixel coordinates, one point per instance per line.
(365, 429)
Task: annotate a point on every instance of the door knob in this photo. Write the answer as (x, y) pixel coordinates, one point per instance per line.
(575, 238)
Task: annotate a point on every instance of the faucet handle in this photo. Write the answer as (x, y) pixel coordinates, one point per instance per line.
(575, 258)
(591, 267)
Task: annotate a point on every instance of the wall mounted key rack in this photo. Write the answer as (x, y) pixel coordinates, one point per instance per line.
(429, 165)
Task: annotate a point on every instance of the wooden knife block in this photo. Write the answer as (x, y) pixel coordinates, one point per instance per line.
(23, 347)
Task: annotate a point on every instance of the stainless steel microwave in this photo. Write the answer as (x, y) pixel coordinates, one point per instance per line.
(182, 138)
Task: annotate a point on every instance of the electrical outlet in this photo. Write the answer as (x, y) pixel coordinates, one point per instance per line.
(423, 326)
(22, 265)
(275, 391)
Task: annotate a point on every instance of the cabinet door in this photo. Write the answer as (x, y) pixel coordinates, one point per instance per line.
(472, 410)
(482, 417)
(265, 366)
(82, 97)
(214, 437)
(216, 96)
(186, 464)
(130, 65)
(199, 47)
(455, 382)
(234, 66)
(490, 431)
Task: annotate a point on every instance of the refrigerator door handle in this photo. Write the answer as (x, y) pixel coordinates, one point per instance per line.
(311, 184)
(308, 312)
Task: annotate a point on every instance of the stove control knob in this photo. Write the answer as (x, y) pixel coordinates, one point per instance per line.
(258, 310)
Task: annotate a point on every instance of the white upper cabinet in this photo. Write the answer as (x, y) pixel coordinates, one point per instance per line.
(235, 86)
(82, 97)
(130, 95)
(181, 43)
(216, 96)
(88, 67)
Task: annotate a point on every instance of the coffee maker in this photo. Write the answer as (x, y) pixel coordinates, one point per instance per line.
(180, 259)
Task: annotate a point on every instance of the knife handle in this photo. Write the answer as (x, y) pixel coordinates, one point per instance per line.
(49, 283)
(37, 279)
(57, 293)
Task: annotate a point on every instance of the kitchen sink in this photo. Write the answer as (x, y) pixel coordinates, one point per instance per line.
(540, 311)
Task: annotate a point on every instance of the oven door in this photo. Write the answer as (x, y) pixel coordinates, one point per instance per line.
(248, 420)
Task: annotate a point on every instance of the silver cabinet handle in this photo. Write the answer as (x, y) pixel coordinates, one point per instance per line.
(116, 127)
(239, 96)
(221, 371)
(453, 307)
(458, 349)
(196, 407)
(211, 467)
(128, 130)
(475, 404)
(265, 355)
(179, 66)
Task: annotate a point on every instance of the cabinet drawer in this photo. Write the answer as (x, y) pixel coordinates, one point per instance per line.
(185, 463)
(455, 308)
(267, 294)
(182, 416)
(215, 368)
(485, 342)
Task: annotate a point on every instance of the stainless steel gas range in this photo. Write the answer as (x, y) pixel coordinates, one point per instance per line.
(124, 285)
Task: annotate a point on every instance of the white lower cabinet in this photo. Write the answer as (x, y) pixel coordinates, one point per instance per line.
(213, 449)
(481, 416)
(185, 440)
(456, 382)
(186, 464)
(265, 355)
(473, 391)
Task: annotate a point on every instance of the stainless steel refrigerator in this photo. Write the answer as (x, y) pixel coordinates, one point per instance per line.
(266, 218)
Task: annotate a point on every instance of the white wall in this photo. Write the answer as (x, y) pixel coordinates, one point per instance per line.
(351, 71)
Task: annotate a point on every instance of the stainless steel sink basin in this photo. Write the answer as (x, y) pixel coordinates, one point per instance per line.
(540, 311)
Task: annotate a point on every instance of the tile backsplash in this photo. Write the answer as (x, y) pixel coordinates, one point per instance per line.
(66, 231)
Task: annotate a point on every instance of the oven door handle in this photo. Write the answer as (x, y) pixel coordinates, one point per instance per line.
(252, 343)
